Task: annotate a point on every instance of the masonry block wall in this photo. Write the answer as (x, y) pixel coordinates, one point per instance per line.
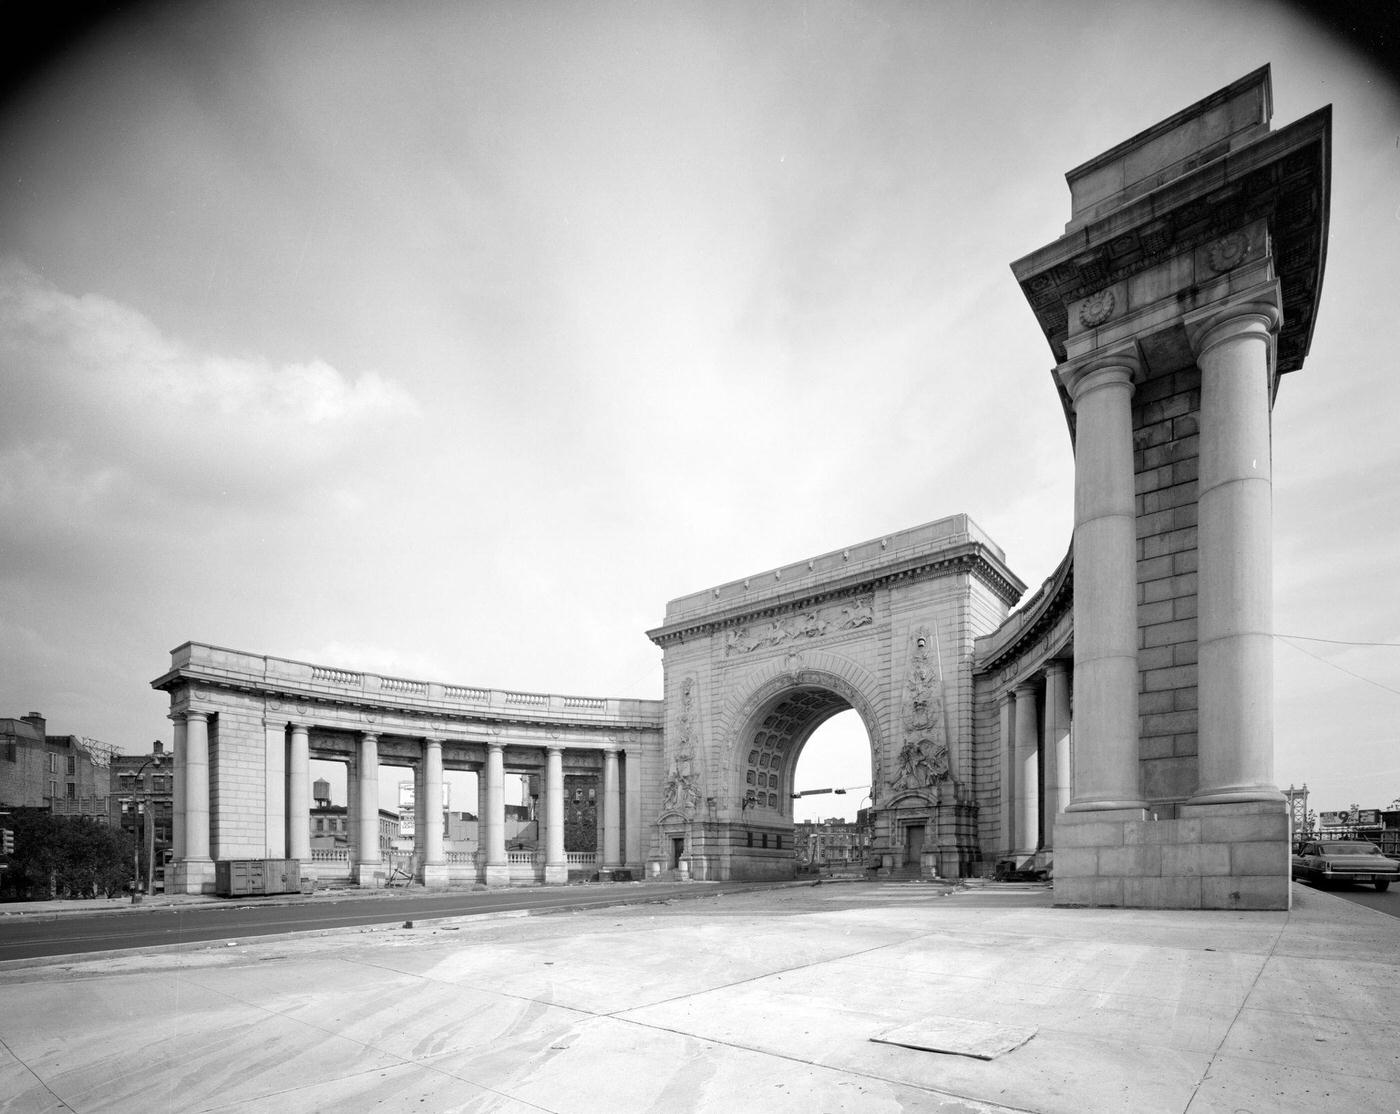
(1166, 446)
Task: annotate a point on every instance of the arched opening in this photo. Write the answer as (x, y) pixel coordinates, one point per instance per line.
(813, 728)
(831, 832)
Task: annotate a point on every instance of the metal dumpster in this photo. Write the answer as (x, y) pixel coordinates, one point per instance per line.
(246, 877)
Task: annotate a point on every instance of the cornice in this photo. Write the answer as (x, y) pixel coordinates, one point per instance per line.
(1023, 629)
(971, 557)
(1283, 178)
(373, 711)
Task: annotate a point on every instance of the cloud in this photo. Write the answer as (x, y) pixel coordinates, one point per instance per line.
(98, 392)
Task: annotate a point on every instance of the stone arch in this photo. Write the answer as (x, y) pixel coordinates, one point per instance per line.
(802, 699)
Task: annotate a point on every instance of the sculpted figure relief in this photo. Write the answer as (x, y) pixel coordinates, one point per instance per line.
(682, 791)
(923, 759)
(809, 624)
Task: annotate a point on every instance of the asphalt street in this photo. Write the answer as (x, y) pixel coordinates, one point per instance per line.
(36, 935)
(1388, 902)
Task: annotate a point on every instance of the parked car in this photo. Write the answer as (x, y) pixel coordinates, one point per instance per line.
(1345, 860)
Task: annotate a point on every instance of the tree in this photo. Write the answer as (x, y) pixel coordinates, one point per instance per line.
(67, 856)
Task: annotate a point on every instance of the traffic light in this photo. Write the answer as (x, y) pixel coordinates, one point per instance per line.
(9, 844)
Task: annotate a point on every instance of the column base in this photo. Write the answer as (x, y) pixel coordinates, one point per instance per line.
(1237, 794)
(191, 876)
(435, 874)
(1217, 856)
(369, 874)
(496, 874)
(556, 874)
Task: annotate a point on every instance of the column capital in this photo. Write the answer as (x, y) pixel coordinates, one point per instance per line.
(1057, 667)
(1026, 689)
(1257, 312)
(1118, 365)
(369, 736)
(194, 713)
(494, 744)
(554, 748)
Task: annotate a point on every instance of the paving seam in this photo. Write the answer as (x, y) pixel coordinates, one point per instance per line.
(1244, 1002)
(38, 1078)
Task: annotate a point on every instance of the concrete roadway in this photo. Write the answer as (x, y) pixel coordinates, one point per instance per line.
(70, 929)
(848, 999)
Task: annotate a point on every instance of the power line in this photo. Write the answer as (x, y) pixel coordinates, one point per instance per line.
(1334, 665)
(1339, 641)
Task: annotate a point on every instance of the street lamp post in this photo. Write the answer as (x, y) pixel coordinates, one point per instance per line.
(149, 832)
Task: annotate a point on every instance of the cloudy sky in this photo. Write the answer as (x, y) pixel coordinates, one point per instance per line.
(452, 340)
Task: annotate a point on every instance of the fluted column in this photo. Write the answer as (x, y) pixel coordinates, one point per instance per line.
(494, 844)
(1234, 348)
(428, 815)
(1007, 765)
(367, 797)
(1105, 583)
(612, 811)
(299, 794)
(556, 863)
(1027, 772)
(1058, 783)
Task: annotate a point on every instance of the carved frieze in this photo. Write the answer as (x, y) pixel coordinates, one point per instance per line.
(813, 623)
(1227, 252)
(1096, 309)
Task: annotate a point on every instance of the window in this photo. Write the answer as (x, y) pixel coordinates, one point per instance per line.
(72, 790)
(53, 763)
(765, 839)
(72, 765)
(320, 824)
(10, 755)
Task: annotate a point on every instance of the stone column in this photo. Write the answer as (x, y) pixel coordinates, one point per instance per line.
(299, 794)
(367, 858)
(196, 872)
(428, 815)
(1105, 583)
(497, 868)
(1027, 773)
(556, 862)
(612, 811)
(1058, 783)
(1234, 348)
(1006, 754)
(177, 789)
(632, 811)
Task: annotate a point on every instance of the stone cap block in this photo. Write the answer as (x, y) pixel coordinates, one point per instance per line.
(1198, 134)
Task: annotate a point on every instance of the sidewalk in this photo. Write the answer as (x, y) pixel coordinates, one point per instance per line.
(761, 1001)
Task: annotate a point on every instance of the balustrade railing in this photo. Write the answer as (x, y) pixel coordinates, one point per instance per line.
(336, 676)
(581, 858)
(330, 855)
